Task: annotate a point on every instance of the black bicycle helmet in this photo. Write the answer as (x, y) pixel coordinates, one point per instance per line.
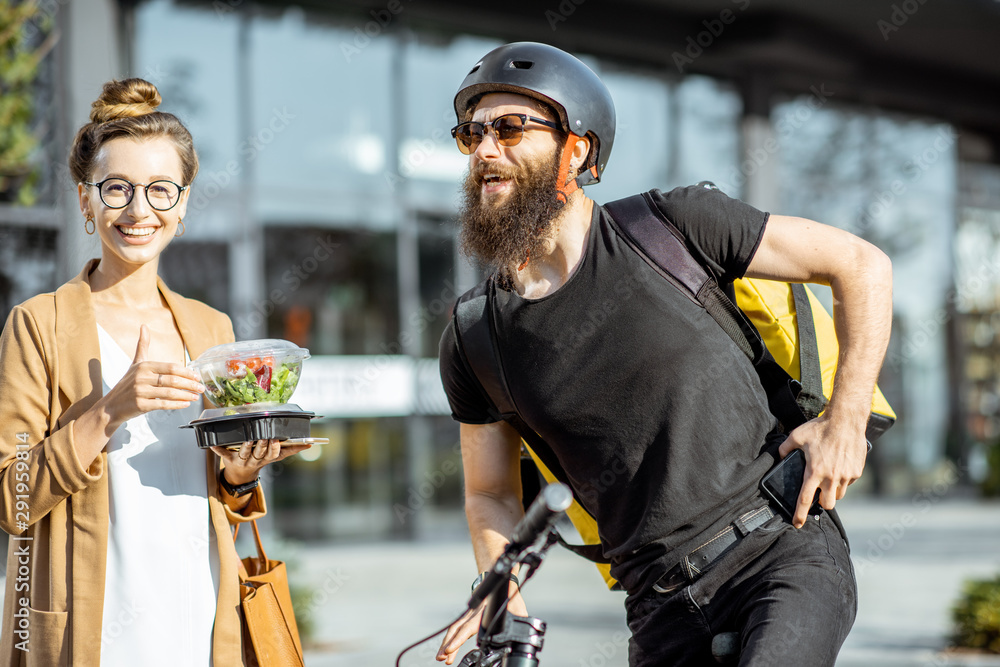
(556, 78)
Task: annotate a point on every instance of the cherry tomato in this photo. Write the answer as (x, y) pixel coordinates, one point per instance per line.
(236, 368)
(254, 364)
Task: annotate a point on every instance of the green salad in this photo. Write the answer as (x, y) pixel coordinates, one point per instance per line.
(263, 385)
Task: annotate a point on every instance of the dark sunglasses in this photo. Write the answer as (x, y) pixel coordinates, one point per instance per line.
(508, 128)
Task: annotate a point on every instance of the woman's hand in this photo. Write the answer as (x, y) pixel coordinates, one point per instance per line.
(148, 386)
(244, 465)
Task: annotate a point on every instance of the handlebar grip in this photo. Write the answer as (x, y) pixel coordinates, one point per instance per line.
(553, 500)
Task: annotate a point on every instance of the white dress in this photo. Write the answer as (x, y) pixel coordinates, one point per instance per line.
(162, 577)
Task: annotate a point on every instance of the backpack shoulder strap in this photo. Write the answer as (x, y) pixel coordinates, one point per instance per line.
(643, 227)
(477, 345)
(810, 399)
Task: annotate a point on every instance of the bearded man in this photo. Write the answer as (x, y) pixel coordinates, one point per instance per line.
(628, 393)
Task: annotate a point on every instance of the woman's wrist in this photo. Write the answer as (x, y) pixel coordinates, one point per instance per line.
(101, 413)
(234, 478)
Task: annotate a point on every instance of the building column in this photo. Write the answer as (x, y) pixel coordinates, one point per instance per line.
(758, 159)
(89, 54)
(249, 307)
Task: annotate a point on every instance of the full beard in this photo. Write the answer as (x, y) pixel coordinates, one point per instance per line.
(504, 234)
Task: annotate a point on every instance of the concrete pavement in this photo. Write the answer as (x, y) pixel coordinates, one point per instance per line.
(910, 557)
(368, 601)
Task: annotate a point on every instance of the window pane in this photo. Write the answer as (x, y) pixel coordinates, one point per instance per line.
(198, 270)
(320, 120)
(27, 264)
(331, 291)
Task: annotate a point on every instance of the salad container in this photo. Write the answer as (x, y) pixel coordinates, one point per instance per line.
(250, 384)
(230, 427)
(251, 372)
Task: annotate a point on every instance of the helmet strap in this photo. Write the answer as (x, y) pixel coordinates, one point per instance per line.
(564, 189)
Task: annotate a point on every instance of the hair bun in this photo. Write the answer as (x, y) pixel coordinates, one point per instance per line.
(125, 99)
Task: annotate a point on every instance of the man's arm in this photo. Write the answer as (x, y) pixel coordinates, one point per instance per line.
(860, 276)
(491, 463)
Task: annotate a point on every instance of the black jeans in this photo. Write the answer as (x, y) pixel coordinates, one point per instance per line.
(790, 594)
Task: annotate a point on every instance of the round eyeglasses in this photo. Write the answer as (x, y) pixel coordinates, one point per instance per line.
(508, 128)
(161, 195)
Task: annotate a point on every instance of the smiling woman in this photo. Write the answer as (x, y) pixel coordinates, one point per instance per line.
(96, 478)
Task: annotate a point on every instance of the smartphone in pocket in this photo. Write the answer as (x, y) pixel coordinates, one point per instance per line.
(783, 482)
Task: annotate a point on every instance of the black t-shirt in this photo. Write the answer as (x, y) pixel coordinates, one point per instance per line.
(656, 416)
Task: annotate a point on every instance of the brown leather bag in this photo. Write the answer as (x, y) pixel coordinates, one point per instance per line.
(270, 634)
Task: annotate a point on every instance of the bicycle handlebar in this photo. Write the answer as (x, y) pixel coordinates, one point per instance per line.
(551, 502)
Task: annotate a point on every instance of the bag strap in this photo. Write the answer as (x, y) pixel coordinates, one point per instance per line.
(261, 556)
(477, 347)
(810, 399)
(642, 226)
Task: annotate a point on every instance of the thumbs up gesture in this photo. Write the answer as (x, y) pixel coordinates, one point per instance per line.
(142, 348)
(150, 385)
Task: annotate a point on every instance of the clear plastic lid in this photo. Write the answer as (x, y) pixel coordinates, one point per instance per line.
(266, 347)
(253, 410)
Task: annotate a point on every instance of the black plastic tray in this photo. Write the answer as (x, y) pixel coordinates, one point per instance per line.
(236, 429)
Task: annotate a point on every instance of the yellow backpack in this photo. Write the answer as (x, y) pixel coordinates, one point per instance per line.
(771, 307)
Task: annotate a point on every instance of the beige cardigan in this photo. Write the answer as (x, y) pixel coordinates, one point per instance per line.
(50, 373)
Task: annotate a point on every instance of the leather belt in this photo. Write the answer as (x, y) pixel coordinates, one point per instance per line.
(691, 566)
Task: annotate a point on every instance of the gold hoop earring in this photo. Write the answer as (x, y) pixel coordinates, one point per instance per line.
(180, 227)
(89, 225)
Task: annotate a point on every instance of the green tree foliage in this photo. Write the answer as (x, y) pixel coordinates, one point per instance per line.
(25, 38)
(977, 615)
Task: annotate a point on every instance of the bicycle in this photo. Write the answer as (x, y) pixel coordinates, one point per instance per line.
(506, 640)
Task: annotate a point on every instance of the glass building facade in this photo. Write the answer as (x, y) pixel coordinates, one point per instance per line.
(324, 213)
(329, 173)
